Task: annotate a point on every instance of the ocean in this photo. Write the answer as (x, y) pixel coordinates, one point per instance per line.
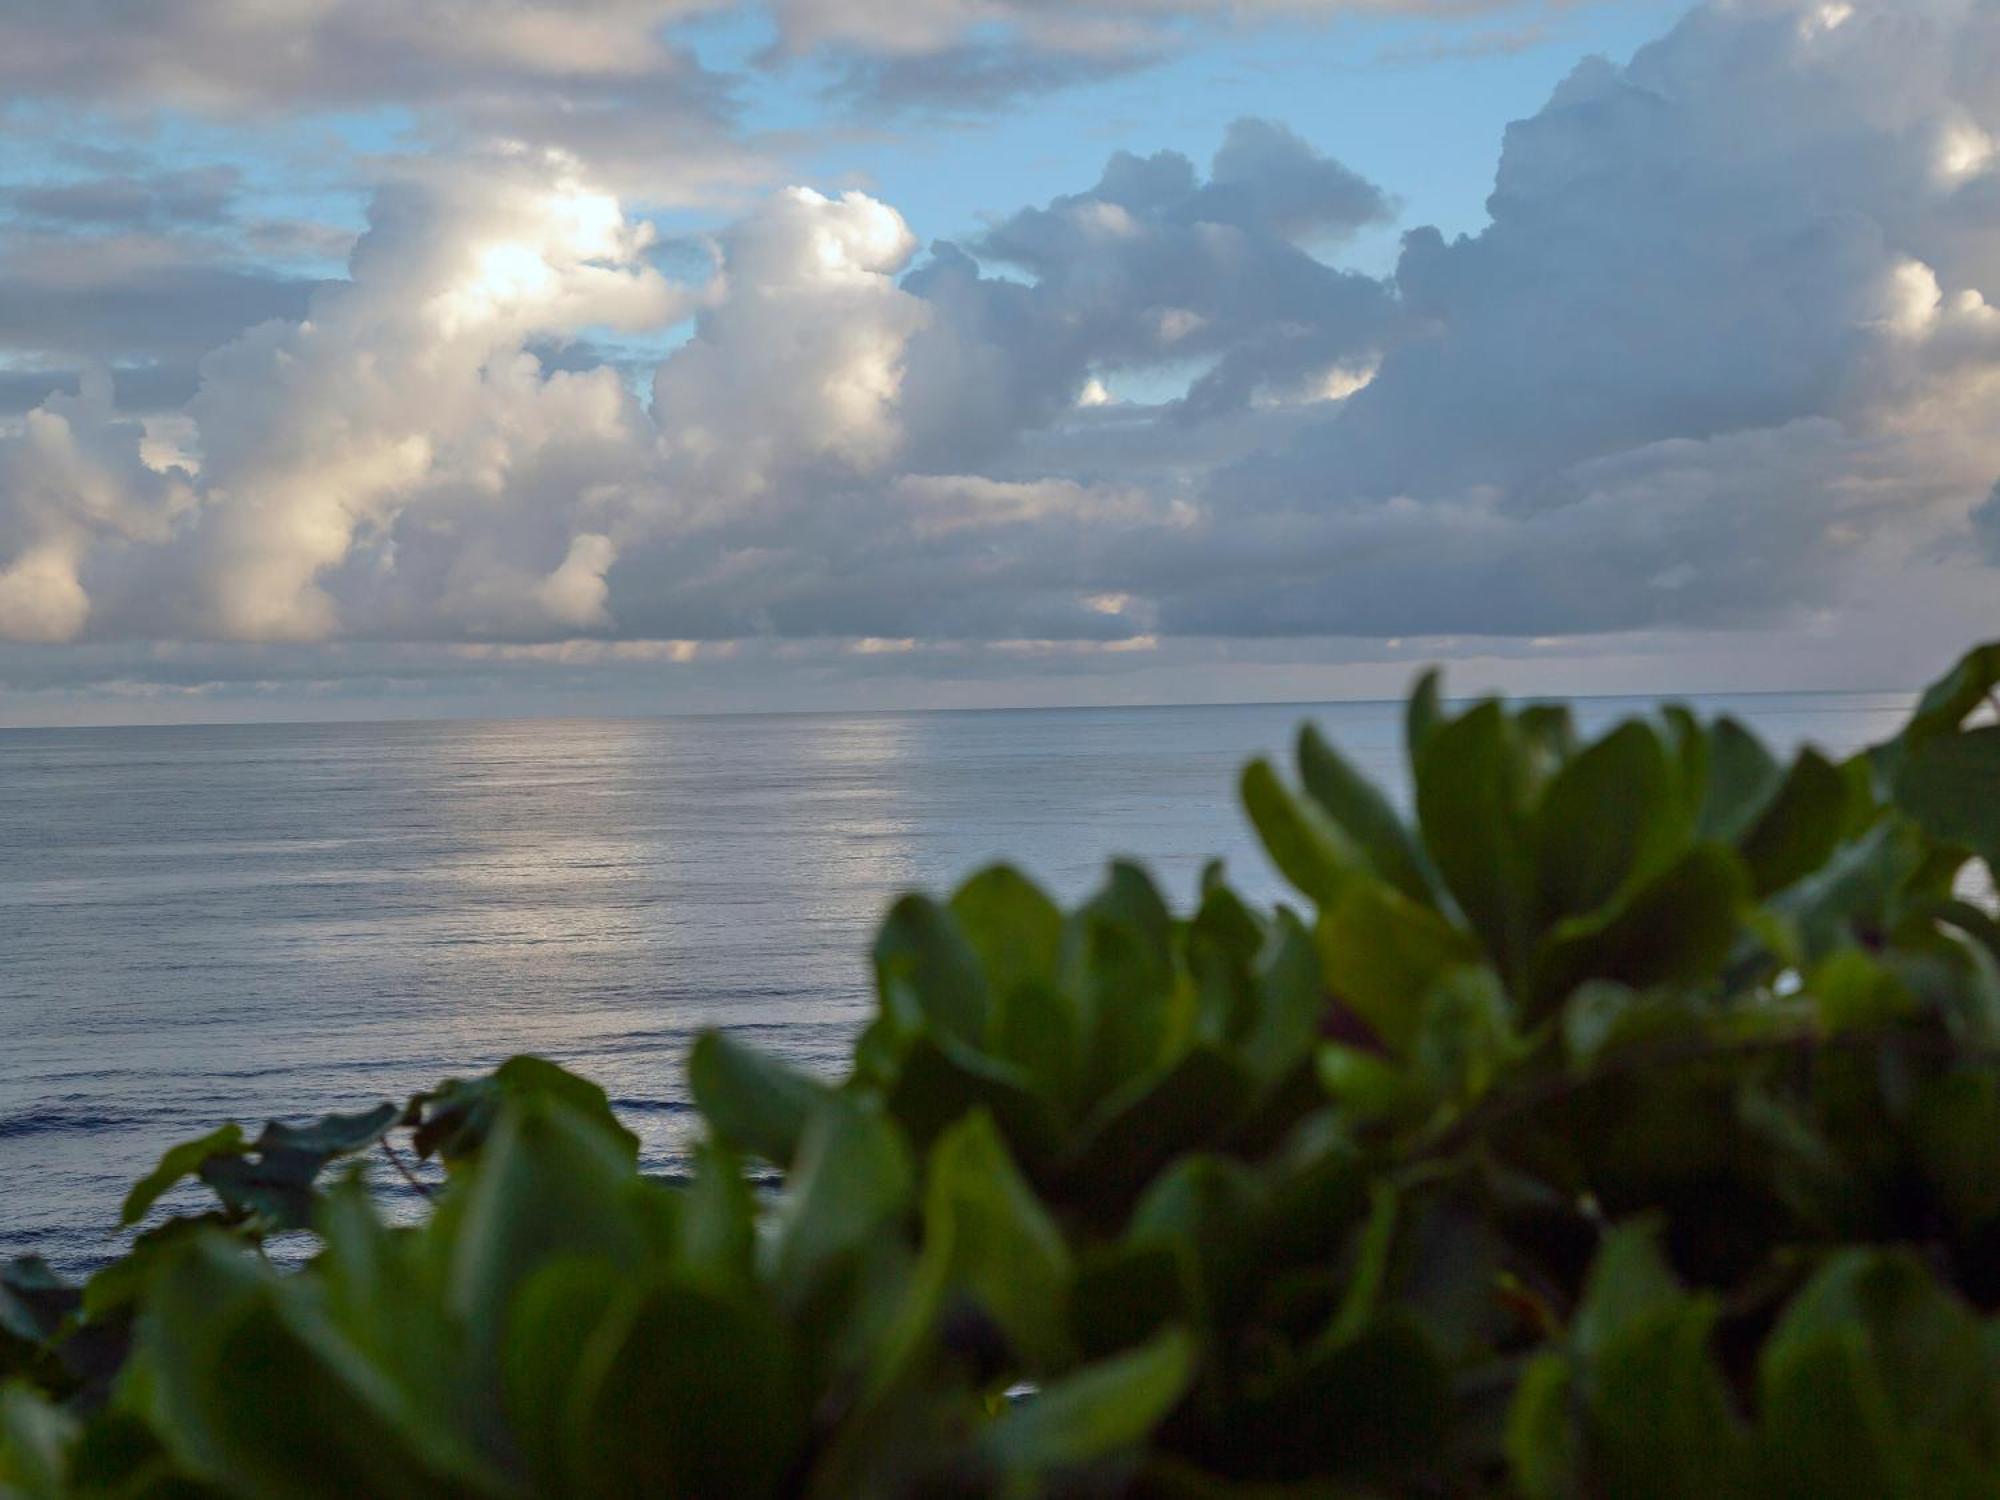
(235, 922)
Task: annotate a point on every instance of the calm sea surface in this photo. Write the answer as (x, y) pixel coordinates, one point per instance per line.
(207, 923)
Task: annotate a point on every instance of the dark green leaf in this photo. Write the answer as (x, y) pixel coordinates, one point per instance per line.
(751, 1100)
(1354, 803)
(1473, 793)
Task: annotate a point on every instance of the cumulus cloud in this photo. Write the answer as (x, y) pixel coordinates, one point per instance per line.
(1723, 357)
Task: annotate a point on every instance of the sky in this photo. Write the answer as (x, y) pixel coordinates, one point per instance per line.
(366, 358)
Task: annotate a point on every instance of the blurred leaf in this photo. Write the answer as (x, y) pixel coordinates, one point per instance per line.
(1742, 779)
(34, 1301)
(452, 1121)
(1472, 804)
(1677, 929)
(1118, 957)
(1800, 827)
(925, 969)
(1422, 715)
(1661, 1424)
(1303, 842)
(1099, 1411)
(1152, 1120)
(853, 1177)
(1629, 1281)
(1352, 801)
(330, 1135)
(751, 1100)
(35, 1438)
(1014, 928)
(549, 1326)
(1464, 1036)
(1290, 1001)
(718, 1227)
(1541, 1440)
(1947, 702)
(941, 1083)
(1381, 953)
(180, 1161)
(1609, 817)
(250, 1382)
(547, 1185)
(686, 1390)
(1951, 785)
(1002, 1246)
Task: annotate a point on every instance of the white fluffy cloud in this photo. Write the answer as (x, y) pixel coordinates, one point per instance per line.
(1723, 358)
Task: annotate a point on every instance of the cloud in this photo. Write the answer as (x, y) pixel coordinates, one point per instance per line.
(967, 78)
(193, 195)
(131, 297)
(1722, 361)
(1986, 526)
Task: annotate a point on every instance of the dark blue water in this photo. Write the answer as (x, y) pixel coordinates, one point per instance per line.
(199, 924)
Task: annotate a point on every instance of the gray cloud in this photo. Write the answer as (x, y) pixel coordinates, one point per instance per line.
(131, 297)
(967, 78)
(1986, 526)
(159, 200)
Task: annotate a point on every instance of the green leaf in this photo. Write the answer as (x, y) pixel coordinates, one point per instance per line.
(940, 1083)
(1677, 929)
(1951, 785)
(1422, 715)
(250, 1382)
(1363, 1084)
(1035, 1028)
(1541, 1440)
(1473, 789)
(180, 1161)
(1118, 958)
(453, 1121)
(1014, 928)
(34, 1301)
(548, 1184)
(1852, 991)
(1609, 817)
(749, 1099)
(1352, 801)
(1923, 1345)
(1742, 779)
(549, 1326)
(1661, 1424)
(35, 1440)
(1799, 828)
(853, 1177)
(1827, 1431)
(1381, 952)
(1152, 1120)
(686, 1390)
(1290, 1001)
(718, 1225)
(1305, 845)
(1948, 701)
(330, 1135)
(1464, 1036)
(1000, 1243)
(1100, 1411)
(1629, 1281)
(928, 973)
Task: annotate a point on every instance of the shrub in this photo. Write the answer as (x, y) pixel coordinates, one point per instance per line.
(1627, 1124)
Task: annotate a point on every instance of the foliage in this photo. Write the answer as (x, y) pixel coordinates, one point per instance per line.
(1628, 1123)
